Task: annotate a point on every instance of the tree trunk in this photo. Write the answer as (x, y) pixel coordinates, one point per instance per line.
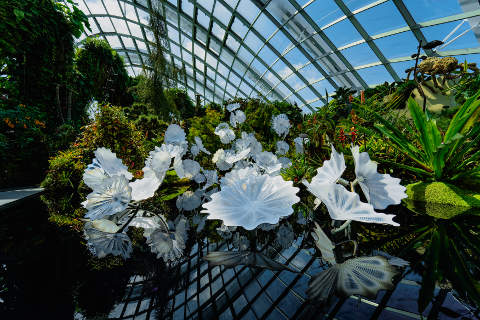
(69, 106)
(57, 102)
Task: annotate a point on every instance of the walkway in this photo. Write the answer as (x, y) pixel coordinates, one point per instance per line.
(10, 197)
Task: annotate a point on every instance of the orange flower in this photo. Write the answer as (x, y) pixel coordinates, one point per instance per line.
(39, 123)
(9, 123)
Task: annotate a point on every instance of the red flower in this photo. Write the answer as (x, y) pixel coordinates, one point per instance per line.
(353, 134)
(341, 136)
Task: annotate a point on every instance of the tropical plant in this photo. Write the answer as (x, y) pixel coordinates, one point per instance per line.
(450, 156)
(102, 72)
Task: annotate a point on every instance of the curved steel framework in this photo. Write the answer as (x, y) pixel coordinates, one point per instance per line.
(282, 49)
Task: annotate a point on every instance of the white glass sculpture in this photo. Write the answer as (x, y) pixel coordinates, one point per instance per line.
(186, 168)
(268, 162)
(169, 245)
(345, 205)
(299, 144)
(189, 200)
(111, 197)
(281, 125)
(233, 106)
(282, 147)
(145, 188)
(328, 174)
(363, 275)
(225, 133)
(253, 259)
(237, 117)
(105, 164)
(174, 135)
(381, 190)
(253, 201)
(107, 242)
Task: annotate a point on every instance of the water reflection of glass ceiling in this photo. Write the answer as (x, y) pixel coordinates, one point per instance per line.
(295, 50)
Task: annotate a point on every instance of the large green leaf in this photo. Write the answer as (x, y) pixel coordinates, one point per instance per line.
(464, 119)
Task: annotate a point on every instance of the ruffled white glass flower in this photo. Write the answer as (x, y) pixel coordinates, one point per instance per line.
(299, 141)
(111, 197)
(212, 178)
(169, 245)
(252, 201)
(286, 162)
(237, 117)
(174, 135)
(156, 167)
(381, 190)
(199, 144)
(186, 168)
(328, 174)
(175, 151)
(282, 147)
(145, 188)
(345, 205)
(189, 200)
(248, 141)
(281, 125)
(237, 175)
(225, 133)
(194, 150)
(219, 158)
(232, 157)
(268, 162)
(105, 164)
(233, 106)
(103, 238)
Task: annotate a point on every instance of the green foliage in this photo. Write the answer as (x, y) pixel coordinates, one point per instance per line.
(103, 72)
(64, 189)
(259, 118)
(204, 127)
(180, 103)
(23, 138)
(153, 127)
(36, 51)
(36, 71)
(448, 157)
(160, 74)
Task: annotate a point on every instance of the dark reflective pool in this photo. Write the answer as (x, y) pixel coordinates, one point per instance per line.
(45, 273)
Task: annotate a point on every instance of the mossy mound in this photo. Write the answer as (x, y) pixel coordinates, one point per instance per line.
(441, 200)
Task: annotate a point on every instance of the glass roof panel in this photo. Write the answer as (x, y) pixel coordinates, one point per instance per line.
(317, 47)
(359, 55)
(381, 18)
(324, 12)
(399, 45)
(342, 33)
(424, 10)
(222, 13)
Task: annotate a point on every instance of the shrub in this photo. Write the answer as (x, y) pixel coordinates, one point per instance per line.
(64, 189)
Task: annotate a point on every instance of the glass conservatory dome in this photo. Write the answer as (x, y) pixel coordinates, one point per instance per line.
(294, 50)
